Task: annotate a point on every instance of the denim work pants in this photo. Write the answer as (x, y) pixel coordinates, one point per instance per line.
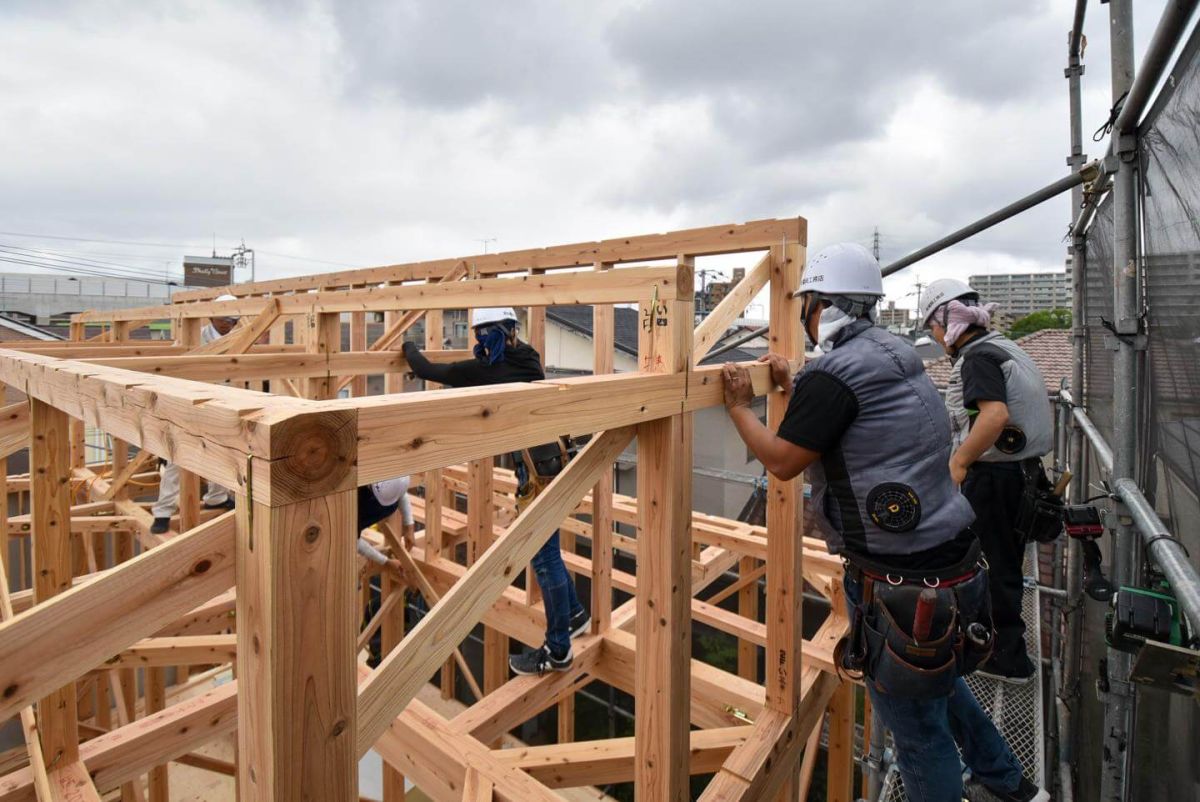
(558, 594)
(925, 732)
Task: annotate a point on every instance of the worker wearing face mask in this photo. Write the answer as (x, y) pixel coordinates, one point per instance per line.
(1002, 426)
(867, 423)
(501, 357)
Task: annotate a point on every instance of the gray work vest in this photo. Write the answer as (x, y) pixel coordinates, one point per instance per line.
(1030, 428)
(886, 487)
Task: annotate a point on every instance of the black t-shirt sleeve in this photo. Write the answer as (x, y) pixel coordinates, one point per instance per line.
(821, 409)
(466, 373)
(983, 380)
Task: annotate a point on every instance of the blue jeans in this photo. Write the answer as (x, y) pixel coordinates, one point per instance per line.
(558, 594)
(925, 732)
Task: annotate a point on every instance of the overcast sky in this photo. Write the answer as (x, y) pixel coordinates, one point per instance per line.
(369, 133)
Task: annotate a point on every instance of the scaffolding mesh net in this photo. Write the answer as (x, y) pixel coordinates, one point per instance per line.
(1168, 379)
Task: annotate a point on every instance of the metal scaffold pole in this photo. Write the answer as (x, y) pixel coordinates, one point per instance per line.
(1119, 702)
(1068, 684)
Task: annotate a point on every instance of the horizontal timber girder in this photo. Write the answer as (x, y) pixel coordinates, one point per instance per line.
(709, 240)
(624, 286)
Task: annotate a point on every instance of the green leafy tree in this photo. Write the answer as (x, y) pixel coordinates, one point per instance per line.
(1044, 319)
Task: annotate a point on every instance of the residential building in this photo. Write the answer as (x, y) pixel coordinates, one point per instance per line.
(1020, 294)
(896, 320)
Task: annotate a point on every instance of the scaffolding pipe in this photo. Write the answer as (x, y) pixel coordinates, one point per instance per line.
(1165, 550)
(734, 343)
(1119, 695)
(1013, 209)
(1075, 40)
(1067, 677)
(1100, 446)
(1171, 27)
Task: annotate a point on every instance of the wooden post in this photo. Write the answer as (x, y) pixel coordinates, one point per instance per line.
(784, 553)
(323, 335)
(839, 782)
(480, 519)
(663, 625)
(50, 484)
(748, 607)
(156, 700)
(392, 632)
(358, 342)
(296, 657)
(602, 521)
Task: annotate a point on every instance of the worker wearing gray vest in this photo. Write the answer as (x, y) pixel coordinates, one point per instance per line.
(1002, 426)
(867, 424)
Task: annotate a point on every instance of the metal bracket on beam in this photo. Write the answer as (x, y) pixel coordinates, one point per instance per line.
(1140, 342)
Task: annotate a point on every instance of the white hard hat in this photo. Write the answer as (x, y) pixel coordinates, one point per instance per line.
(846, 268)
(492, 314)
(223, 298)
(939, 292)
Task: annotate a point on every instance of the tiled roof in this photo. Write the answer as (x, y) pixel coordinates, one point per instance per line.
(579, 318)
(1050, 350)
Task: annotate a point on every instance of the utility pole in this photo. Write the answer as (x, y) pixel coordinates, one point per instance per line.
(243, 258)
(485, 241)
(875, 244)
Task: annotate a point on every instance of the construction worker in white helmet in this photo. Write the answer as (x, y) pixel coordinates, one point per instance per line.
(1002, 426)
(215, 497)
(501, 357)
(865, 421)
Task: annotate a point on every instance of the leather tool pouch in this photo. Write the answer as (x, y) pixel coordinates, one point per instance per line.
(1040, 513)
(896, 663)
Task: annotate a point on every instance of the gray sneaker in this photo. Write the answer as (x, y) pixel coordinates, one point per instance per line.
(537, 662)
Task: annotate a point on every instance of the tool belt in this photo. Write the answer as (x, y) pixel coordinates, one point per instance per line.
(913, 637)
(537, 467)
(1040, 513)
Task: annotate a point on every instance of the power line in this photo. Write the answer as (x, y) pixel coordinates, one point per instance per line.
(76, 260)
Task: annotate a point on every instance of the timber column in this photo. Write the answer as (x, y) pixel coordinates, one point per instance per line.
(297, 616)
(664, 615)
(785, 582)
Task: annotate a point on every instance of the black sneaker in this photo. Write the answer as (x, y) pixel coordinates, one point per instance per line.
(1026, 792)
(581, 622)
(227, 504)
(539, 661)
(1013, 675)
(160, 526)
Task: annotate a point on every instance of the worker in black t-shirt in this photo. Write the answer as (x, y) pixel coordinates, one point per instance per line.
(500, 358)
(866, 423)
(1002, 426)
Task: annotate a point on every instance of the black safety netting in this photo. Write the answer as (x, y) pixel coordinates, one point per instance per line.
(1168, 378)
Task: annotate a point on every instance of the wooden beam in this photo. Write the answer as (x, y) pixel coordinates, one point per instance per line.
(49, 454)
(407, 435)
(121, 755)
(94, 621)
(156, 700)
(323, 337)
(718, 321)
(619, 286)
(183, 650)
(707, 241)
(603, 333)
(131, 469)
(522, 698)
(295, 658)
(611, 761)
(14, 427)
(245, 335)
(395, 682)
(391, 635)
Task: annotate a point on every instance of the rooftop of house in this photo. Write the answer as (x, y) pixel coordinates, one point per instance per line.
(1050, 350)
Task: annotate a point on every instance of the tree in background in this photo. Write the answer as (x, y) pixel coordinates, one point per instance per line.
(1044, 319)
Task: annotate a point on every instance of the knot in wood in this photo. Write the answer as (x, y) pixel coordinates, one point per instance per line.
(312, 533)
